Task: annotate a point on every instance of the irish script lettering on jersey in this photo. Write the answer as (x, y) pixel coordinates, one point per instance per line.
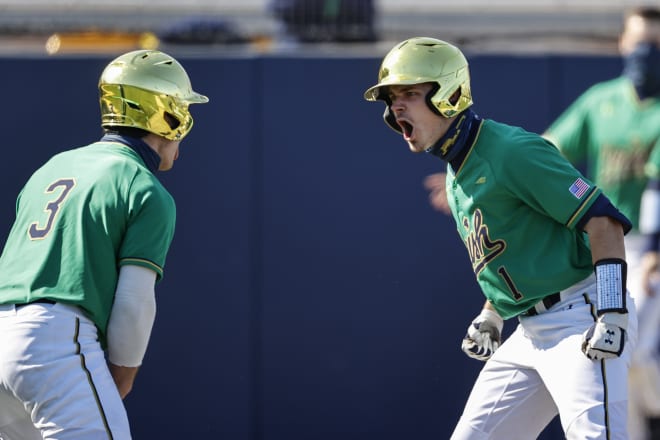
(481, 248)
(620, 164)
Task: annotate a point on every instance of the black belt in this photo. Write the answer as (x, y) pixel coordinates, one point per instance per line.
(37, 301)
(548, 302)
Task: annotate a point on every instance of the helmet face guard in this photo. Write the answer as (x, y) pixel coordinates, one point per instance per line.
(140, 88)
(426, 60)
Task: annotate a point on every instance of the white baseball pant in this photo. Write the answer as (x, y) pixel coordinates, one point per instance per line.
(54, 380)
(540, 371)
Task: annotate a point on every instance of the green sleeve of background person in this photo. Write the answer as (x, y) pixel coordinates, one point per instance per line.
(653, 165)
(515, 212)
(571, 131)
(613, 133)
(79, 217)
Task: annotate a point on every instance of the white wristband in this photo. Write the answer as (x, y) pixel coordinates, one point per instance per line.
(611, 285)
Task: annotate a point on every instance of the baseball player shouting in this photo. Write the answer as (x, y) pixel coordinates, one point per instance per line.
(77, 274)
(546, 247)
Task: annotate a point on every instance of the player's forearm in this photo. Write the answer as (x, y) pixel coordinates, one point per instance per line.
(608, 254)
(124, 378)
(489, 306)
(606, 238)
(132, 317)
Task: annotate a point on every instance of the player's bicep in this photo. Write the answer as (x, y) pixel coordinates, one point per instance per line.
(545, 181)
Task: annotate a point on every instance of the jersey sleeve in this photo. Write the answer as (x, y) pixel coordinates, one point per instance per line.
(652, 167)
(543, 179)
(150, 230)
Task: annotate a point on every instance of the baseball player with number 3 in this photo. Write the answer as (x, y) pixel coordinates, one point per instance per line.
(77, 274)
(546, 246)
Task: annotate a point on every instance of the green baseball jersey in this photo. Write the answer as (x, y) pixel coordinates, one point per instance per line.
(516, 202)
(610, 131)
(79, 217)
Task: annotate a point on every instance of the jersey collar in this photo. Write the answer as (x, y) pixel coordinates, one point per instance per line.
(454, 141)
(150, 158)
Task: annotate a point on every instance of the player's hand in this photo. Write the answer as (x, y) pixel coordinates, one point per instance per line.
(435, 184)
(605, 339)
(483, 335)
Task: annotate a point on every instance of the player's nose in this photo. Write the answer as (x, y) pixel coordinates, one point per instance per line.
(397, 104)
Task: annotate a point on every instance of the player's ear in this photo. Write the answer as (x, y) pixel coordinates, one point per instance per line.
(453, 99)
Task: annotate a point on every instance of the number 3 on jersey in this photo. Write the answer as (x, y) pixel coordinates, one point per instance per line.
(35, 232)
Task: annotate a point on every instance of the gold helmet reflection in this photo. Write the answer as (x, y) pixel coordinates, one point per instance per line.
(138, 89)
(421, 60)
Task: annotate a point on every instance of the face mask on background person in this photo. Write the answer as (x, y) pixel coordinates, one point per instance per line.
(642, 67)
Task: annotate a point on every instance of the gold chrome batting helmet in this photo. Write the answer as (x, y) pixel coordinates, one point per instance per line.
(421, 60)
(139, 88)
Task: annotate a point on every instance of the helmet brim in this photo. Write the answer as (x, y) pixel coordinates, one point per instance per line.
(373, 93)
(197, 98)
(377, 92)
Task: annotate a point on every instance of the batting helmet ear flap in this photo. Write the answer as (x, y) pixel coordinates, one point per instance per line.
(390, 119)
(429, 98)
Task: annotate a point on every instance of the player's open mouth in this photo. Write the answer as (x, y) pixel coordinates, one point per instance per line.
(406, 128)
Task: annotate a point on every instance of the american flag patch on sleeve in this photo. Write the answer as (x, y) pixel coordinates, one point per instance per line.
(579, 187)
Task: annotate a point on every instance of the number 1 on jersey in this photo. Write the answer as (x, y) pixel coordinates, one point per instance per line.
(517, 295)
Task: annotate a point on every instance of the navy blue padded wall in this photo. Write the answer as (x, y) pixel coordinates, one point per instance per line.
(571, 75)
(512, 89)
(198, 376)
(357, 267)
